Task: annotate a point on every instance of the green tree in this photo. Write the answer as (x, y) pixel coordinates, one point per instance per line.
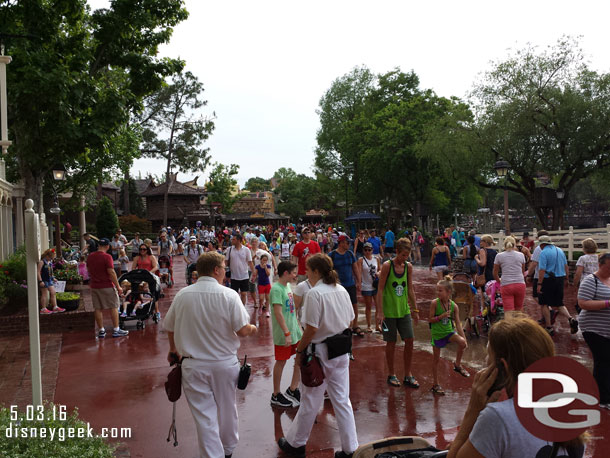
(222, 186)
(256, 184)
(107, 221)
(136, 206)
(75, 82)
(548, 115)
(297, 193)
(174, 129)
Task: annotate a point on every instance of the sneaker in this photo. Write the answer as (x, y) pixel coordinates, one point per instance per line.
(158, 315)
(119, 333)
(342, 454)
(133, 313)
(294, 396)
(280, 401)
(123, 315)
(551, 331)
(58, 310)
(102, 333)
(573, 326)
(45, 311)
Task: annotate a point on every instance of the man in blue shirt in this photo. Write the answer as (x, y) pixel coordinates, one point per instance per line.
(553, 266)
(477, 239)
(345, 263)
(374, 240)
(388, 243)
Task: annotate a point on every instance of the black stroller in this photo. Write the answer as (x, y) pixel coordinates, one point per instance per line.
(192, 267)
(136, 278)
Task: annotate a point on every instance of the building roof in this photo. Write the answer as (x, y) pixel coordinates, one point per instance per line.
(253, 217)
(110, 186)
(175, 189)
(143, 184)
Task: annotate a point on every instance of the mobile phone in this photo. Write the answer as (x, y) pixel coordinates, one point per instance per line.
(500, 381)
(384, 326)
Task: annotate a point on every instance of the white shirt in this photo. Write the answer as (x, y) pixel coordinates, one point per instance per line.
(285, 250)
(511, 262)
(238, 262)
(256, 256)
(535, 257)
(367, 279)
(327, 308)
(204, 318)
(192, 253)
(589, 263)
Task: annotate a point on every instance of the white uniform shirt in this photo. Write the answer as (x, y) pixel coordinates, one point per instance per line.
(238, 262)
(204, 318)
(327, 308)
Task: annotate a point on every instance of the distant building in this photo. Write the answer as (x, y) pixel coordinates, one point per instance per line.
(255, 203)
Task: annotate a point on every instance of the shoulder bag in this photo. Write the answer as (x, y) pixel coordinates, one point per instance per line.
(312, 374)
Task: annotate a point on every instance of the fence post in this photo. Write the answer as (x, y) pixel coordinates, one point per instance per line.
(44, 233)
(571, 244)
(32, 246)
(608, 231)
(535, 233)
(501, 240)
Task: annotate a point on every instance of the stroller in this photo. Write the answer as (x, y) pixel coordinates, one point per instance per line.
(192, 267)
(493, 310)
(399, 447)
(463, 296)
(165, 271)
(137, 277)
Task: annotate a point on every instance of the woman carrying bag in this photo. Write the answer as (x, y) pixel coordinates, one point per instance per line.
(327, 314)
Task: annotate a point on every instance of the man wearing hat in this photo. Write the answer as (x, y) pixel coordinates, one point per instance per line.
(192, 252)
(90, 243)
(303, 250)
(105, 288)
(553, 265)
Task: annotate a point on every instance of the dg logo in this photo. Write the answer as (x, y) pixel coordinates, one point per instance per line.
(556, 399)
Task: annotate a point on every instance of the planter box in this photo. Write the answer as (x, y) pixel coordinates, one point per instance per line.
(69, 305)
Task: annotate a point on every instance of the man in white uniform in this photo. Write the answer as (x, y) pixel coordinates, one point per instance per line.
(239, 262)
(203, 325)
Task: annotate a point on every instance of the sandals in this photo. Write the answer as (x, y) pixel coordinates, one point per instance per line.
(460, 370)
(358, 331)
(410, 382)
(393, 381)
(436, 389)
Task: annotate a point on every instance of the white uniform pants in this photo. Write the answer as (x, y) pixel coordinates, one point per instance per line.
(209, 389)
(336, 383)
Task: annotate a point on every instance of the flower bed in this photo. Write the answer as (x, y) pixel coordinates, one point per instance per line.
(68, 301)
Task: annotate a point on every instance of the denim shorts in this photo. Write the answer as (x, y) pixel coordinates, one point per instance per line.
(369, 293)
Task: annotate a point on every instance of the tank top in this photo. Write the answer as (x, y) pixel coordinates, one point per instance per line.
(396, 294)
(46, 272)
(285, 250)
(444, 327)
(368, 266)
(489, 266)
(145, 263)
(360, 246)
(440, 259)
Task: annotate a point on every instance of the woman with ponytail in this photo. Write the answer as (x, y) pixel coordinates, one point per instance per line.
(512, 264)
(327, 314)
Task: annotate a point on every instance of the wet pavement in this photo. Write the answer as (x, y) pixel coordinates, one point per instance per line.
(118, 382)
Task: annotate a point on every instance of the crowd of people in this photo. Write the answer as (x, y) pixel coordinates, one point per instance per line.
(307, 280)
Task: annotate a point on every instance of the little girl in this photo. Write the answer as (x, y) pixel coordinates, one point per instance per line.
(82, 269)
(126, 287)
(263, 271)
(143, 298)
(443, 314)
(124, 261)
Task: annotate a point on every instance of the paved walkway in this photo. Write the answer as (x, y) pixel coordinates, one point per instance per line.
(119, 383)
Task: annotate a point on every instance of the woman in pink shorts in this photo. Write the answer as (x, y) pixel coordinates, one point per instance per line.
(512, 265)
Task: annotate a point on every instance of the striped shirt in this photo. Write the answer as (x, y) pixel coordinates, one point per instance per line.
(597, 321)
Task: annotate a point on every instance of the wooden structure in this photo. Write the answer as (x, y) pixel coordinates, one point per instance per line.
(183, 201)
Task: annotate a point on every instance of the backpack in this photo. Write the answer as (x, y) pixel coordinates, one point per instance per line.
(198, 249)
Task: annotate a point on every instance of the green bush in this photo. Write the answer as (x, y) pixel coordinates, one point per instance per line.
(67, 296)
(107, 221)
(69, 274)
(132, 223)
(27, 447)
(13, 278)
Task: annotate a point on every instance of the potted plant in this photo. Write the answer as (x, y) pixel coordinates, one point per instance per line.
(68, 301)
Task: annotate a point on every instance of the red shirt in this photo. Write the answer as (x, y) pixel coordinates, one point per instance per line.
(304, 250)
(98, 264)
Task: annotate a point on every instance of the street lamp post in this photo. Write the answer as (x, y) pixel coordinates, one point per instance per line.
(502, 167)
(59, 174)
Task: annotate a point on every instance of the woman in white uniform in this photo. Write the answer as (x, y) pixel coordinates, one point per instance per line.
(327, 312)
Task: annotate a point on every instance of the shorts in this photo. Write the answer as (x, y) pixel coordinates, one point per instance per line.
(535, 286)
(403, 325)
(104, 298)
(283, 353)
(551, 292)
(389, 249)
(264, 289)
(370, 293)
(48, 284)
(251, 287)
(240, 285)
(353, 294)
(442, 343)
(513, 296)
(440, 268)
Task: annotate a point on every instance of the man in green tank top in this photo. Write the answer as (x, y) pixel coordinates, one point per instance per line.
(397, 295)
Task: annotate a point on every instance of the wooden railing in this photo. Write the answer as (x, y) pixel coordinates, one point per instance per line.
(570, 241)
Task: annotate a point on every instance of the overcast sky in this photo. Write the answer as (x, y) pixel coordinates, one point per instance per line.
(266, 64)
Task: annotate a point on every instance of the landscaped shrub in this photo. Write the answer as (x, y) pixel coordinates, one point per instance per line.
(26, 447)
(132, 223)
(107, 221)
(13, 279)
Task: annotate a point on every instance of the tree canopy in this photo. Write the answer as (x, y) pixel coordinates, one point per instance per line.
(256, 184)
(75, 82)
(222, 186)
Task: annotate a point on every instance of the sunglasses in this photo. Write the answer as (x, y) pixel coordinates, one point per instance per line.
(143, 249)
(368, 249)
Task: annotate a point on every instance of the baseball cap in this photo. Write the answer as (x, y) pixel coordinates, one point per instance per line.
(526, 234)
(367, 245)
(104, 242)
(193, 238)
(342, 238)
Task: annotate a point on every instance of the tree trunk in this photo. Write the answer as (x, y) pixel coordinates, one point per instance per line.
(558, 215)
(166, 194)
(33, 188)
(99, 190)
(126, 210)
